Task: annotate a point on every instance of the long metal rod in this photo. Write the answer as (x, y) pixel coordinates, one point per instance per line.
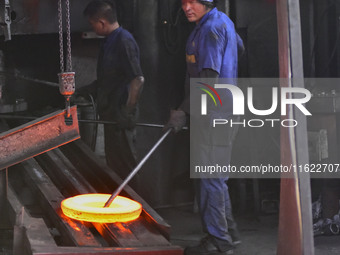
(132, 174)
(22, 77)
(4, 116)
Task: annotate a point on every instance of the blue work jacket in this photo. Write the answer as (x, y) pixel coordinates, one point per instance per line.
(213, 45)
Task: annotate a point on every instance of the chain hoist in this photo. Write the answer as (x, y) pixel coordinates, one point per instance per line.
(66, 76)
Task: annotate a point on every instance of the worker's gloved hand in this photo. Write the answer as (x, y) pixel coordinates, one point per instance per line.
(127, 118)
(176, 121)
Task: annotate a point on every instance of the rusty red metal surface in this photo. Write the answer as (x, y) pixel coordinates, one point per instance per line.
(37, 137)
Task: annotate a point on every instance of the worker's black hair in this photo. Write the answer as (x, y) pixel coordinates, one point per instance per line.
(209, 5)
(101, 9)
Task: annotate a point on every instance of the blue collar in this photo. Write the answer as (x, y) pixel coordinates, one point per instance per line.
(206, 16)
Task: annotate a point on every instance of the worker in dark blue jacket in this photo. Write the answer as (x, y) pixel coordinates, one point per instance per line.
(211, 52)
(118, 85)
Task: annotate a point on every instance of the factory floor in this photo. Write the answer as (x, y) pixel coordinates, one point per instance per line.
(259, 234)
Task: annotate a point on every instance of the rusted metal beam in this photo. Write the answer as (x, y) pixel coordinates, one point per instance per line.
(87, 159)
(154, 250)
(138, 233)
(36, 137)
(73, 232)
(28, 231)
(62, 171)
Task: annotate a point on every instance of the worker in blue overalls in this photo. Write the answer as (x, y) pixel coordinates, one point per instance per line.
(211, 52)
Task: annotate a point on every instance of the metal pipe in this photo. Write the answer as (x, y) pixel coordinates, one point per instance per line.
(4, 116)
(18, 76)
(134, 171)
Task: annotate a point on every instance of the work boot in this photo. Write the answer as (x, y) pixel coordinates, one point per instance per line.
(235, 235)
(207, 246)
(237, 242)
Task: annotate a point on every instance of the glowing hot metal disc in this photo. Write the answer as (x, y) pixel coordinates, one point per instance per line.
(90, 207)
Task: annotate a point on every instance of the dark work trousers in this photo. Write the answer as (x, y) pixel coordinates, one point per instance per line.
(120, 149)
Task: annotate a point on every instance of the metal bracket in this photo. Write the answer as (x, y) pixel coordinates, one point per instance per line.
(7, 20)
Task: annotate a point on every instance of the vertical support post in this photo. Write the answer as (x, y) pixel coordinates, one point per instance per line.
(3, 198)
(295, 221)
(8, 21)
(227, 7)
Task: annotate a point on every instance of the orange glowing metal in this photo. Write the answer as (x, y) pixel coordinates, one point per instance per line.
(90, 207)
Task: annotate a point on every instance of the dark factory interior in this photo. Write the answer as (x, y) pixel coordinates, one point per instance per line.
(282, 39)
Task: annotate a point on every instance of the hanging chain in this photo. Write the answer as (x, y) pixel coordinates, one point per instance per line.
(68, 31)
(61, 44)
(66, 77)
(68, 37)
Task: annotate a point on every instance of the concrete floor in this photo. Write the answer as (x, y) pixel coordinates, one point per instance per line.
(259, 236)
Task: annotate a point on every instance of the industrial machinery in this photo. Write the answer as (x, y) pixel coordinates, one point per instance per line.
(38, 73)
(52, 231)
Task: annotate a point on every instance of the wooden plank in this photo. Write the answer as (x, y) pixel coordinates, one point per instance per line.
(73, 232)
